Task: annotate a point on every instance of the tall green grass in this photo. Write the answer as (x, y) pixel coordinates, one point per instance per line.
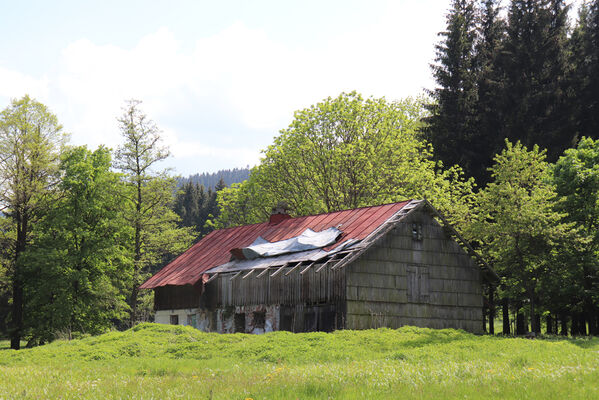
(160, 361)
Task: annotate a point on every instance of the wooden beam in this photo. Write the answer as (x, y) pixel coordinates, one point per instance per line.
(263, 272)
(326, 263)
(236, 275)
(307, 268)
(248, 274)
(294, 268)
(212, 278)
(346, 259)
(277, 272)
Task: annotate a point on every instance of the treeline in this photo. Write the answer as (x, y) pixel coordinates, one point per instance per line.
(212, 180)
(532, 79)
(535, 222)
(507, 150)
(81, 229)
(528, 76)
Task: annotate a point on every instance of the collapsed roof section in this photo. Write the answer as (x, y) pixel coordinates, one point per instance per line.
(308, 240)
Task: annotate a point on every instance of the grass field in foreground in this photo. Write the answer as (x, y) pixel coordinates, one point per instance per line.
(154, 361)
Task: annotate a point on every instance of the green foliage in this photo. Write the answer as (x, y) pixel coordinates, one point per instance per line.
(30, 143)
(576, 175)
(517, 224)
(75, 266)
(452, 126)
(534, 63)
(522, 79)
(210, 180)
(161, 361)
(584, 60)
(195, 206)
(346, 152)
(156, 238)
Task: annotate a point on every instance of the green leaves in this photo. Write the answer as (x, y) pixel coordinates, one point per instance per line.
(346, 152)
(146, 202)
(75, 266)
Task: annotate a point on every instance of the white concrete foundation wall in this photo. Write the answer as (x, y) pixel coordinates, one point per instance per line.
(187, 316)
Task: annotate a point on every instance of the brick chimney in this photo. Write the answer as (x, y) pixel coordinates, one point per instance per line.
(279, 213)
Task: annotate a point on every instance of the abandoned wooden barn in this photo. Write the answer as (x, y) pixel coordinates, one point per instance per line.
(389, 265)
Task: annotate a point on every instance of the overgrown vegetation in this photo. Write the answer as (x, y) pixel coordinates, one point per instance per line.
(161, 361)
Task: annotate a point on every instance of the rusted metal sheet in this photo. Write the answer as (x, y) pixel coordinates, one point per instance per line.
(214, 248)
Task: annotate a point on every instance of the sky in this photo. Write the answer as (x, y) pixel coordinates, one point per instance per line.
(219, 78)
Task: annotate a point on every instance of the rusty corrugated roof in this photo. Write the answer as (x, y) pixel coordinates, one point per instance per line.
(214, 248)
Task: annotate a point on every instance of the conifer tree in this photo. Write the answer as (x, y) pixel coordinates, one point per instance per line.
(488, 142)
(584, 50)
(534, 64)
(452, 127)
(148, 207)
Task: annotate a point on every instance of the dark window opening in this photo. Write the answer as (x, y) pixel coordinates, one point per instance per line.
(259, 319)
(239, 320)
(286, 323)
(309, 322)
(174, 320)
(417, 231)
(327, 321)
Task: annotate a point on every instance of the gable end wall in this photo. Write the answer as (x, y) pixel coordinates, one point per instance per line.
(378, 282)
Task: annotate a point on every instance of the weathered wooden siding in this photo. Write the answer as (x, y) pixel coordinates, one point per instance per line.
(448, 291)
(302, 302)
(176, 297)
(312, 287)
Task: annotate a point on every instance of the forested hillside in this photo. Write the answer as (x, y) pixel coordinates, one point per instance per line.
(211, 180)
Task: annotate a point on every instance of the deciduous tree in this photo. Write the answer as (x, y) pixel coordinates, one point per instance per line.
(576, 175)
(156, 236)
(30, 143)
(74, 268)
(347, 152)
(517, 224)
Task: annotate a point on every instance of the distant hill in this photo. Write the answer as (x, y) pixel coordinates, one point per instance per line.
(209, 180)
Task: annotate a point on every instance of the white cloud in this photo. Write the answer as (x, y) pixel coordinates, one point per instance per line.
(246, 76)
(14, 84)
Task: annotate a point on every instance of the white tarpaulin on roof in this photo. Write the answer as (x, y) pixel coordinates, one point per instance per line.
(308, 240)
(283, 259)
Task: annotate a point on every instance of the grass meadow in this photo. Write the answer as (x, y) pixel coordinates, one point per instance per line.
(154, 361)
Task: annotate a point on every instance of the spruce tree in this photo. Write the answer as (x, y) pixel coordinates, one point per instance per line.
(584, 50)
(534, 64)
(489, 80)
(452, 125)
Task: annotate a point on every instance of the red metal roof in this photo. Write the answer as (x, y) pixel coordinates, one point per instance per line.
(214, 248)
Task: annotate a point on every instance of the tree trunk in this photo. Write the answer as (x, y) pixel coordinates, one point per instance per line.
(17, 283)
(574, 325)
(17, 312)
(491, 310)
(549, 322)
(137, 254)
(590, 317)
(484, 319)
(520, 324)
(506, 317)
(582, 325)
(564, 322)
(537, 329)
(533, 317)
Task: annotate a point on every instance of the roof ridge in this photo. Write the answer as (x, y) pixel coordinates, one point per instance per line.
(316, 215)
